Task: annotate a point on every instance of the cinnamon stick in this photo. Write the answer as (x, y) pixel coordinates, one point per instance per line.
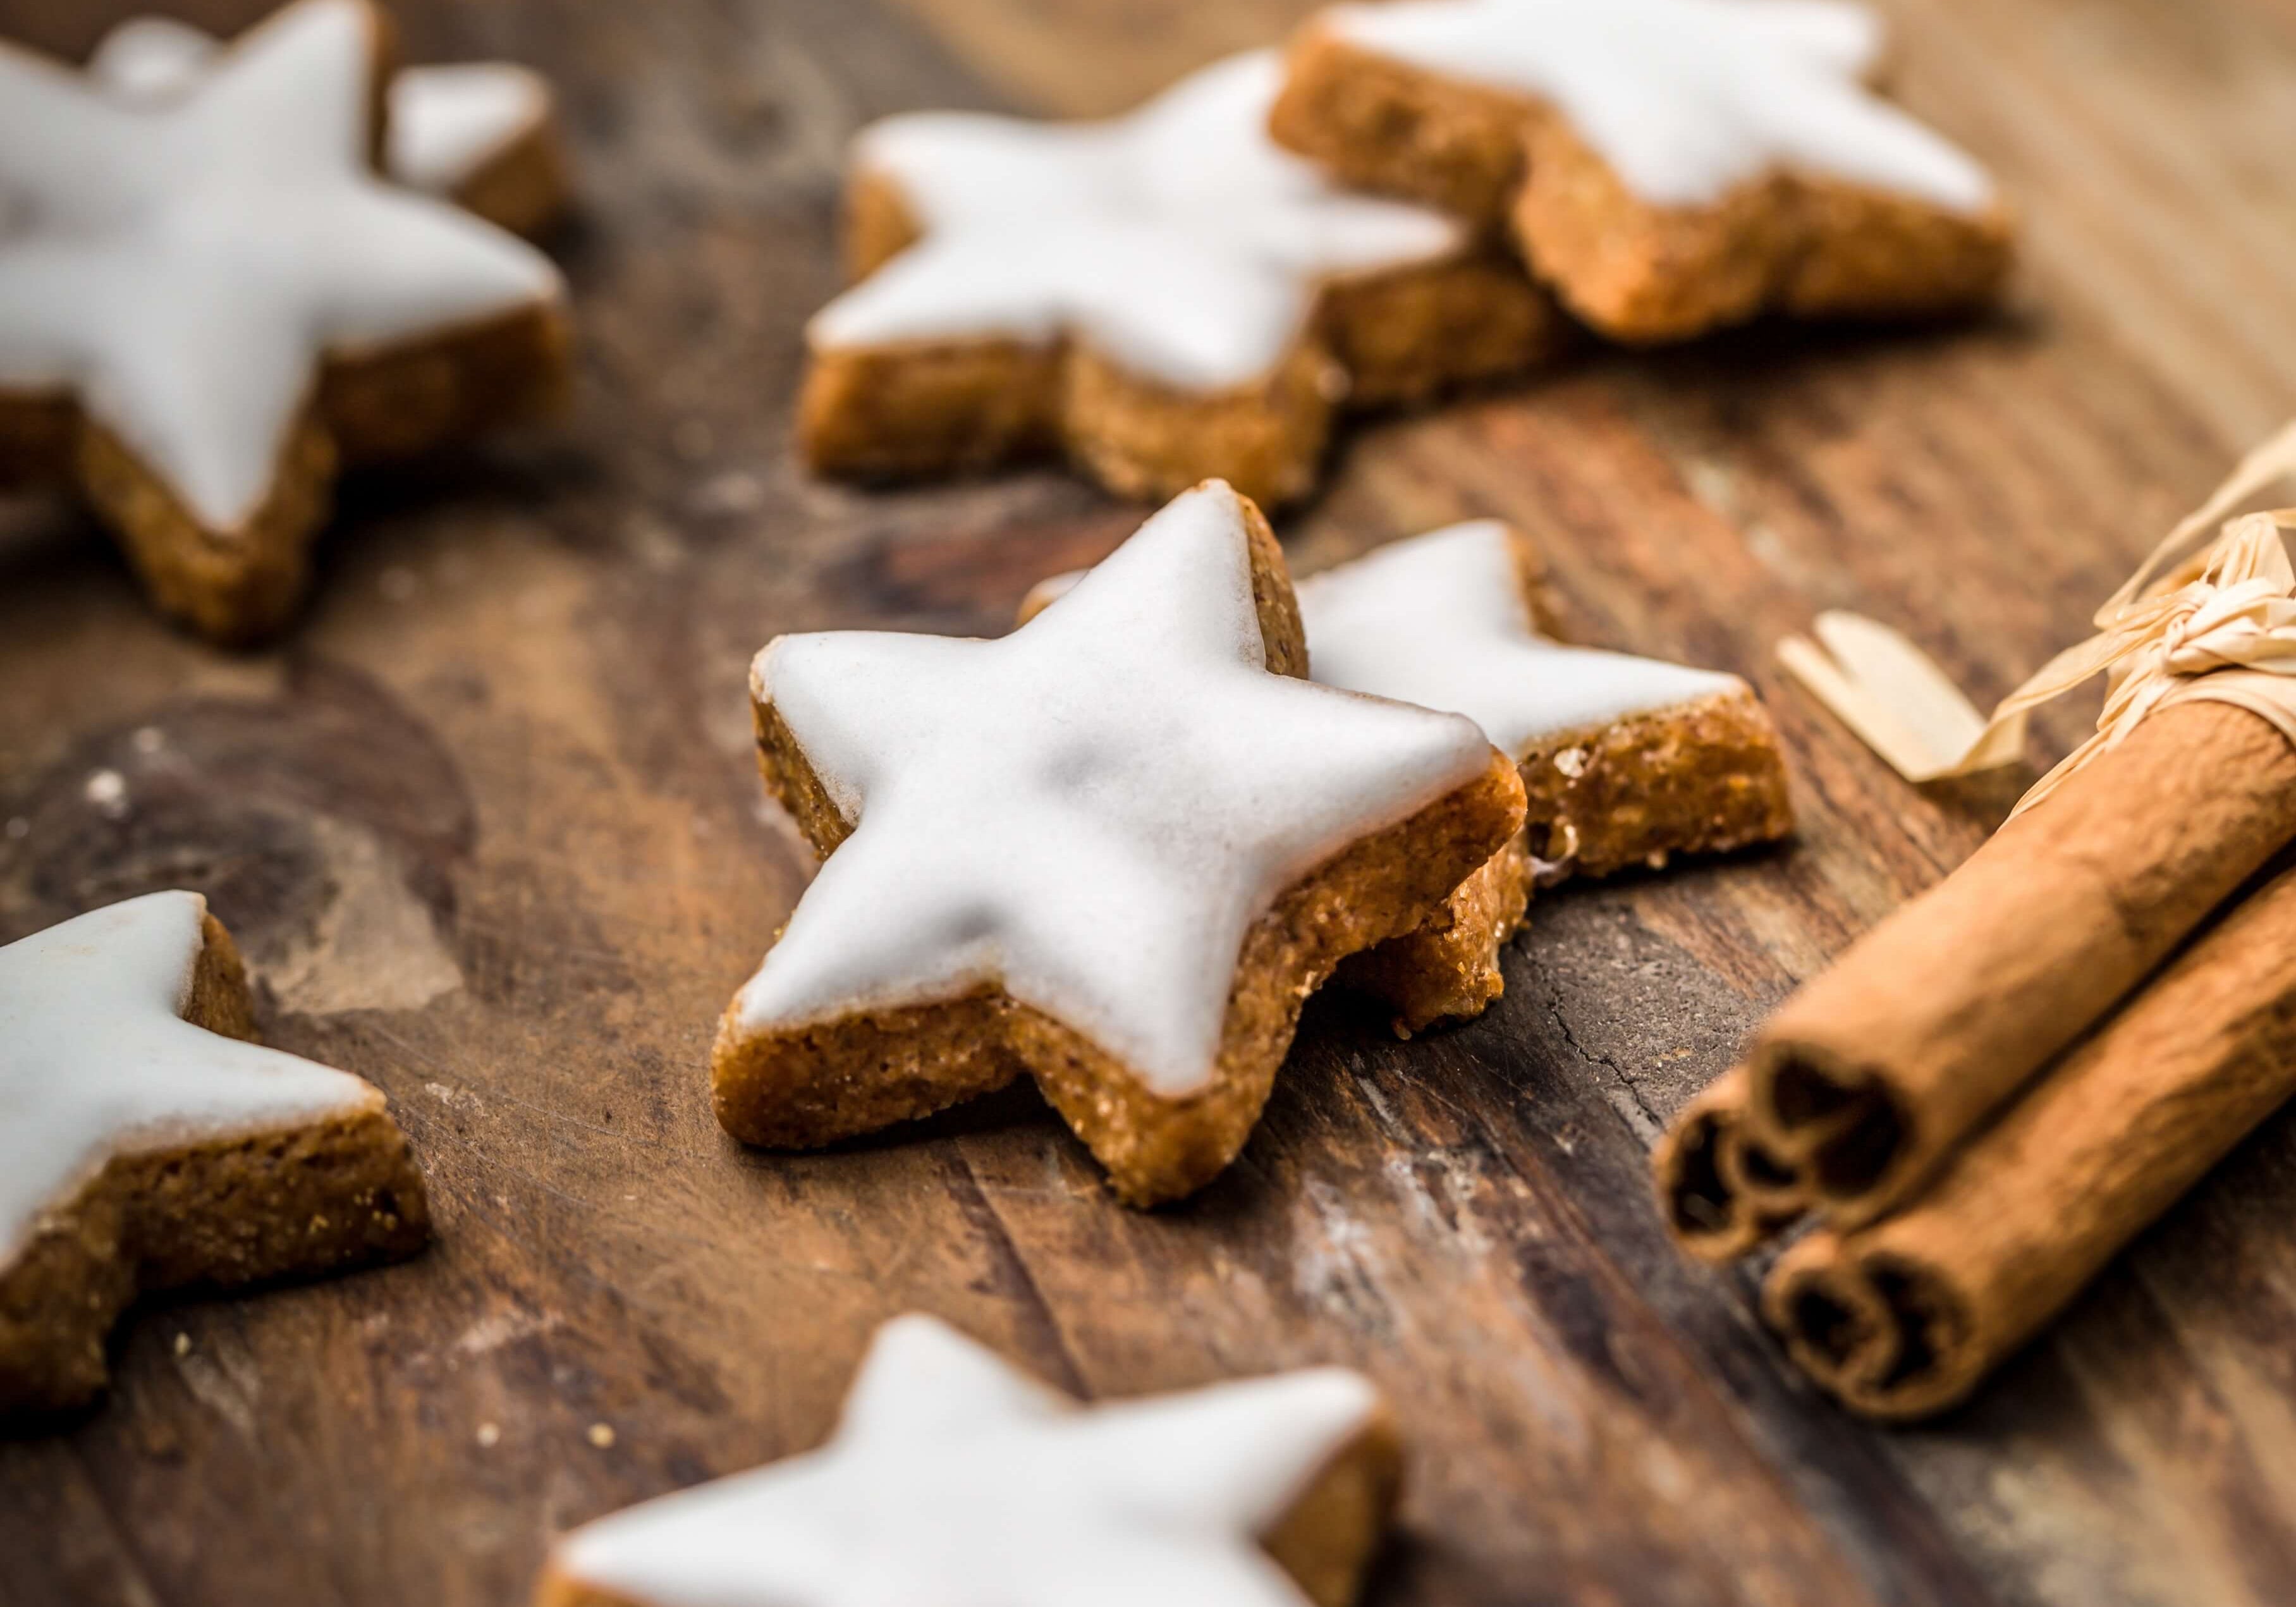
(1777, 1190)
(1903, 1318)
(1867, 1079)
(1721, 1194)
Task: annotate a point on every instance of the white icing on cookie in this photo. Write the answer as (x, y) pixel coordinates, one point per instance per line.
(190, 259)
(1440, 621)
(1688, 99)
(152, 58)
(96, 1060)
(448, 122)
(1091, 811)
(1179, 240)
(445, 123)
(954, 1479)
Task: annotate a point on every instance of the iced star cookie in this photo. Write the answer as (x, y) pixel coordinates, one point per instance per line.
(1666, 166)
(954, 1479)
(1115, 850)
(210, 300)
(146, 1142)
(1625, 761)
(480, 134)
(1167, 296)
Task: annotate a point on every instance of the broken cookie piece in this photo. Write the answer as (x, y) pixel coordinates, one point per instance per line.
(1625, 760)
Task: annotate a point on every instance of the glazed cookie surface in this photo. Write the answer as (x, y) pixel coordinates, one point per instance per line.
(1166, 296)
(216, 301)
(146, 1142)
(1625, 760)
(1666, 166)
(953, 1477)
(480, 134)
(1115, 850)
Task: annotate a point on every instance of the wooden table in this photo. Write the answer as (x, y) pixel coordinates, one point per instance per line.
(489, 826)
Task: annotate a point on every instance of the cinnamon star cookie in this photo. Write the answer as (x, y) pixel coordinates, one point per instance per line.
(146, 1142)
(210, 300)
(1166, 296)
(1666, 166)
(1115, 850)
(956, 1480)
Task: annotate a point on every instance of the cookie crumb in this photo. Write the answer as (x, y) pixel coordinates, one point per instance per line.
(601, 1435)
(149, 740)
(183, 1344)
(107, 791)
(490, 1436)
(730, 493)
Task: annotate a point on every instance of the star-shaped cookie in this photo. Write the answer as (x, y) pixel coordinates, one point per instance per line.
(210, 300)
(1666, 166)
(146, 1142)
(1116, 848)
(481, 134)
(1167, 296)
(956, 1479)
(1625, 760)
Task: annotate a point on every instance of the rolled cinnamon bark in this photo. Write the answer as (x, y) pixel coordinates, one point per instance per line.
(1720, 1194)
(1868, 1077)
(1903, 1319)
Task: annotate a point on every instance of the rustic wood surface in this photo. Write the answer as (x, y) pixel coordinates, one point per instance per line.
(488, 828)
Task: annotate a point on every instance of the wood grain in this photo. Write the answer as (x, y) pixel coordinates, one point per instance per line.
(489, 829)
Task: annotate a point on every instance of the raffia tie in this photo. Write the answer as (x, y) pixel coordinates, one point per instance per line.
(2239, 614)
(2200, 619)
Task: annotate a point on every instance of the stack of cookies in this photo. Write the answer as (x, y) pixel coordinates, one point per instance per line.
(1117, 849)
(1414, 196)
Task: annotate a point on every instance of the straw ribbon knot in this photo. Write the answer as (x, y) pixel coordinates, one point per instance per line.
(2238, 613)
(2201, 618)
